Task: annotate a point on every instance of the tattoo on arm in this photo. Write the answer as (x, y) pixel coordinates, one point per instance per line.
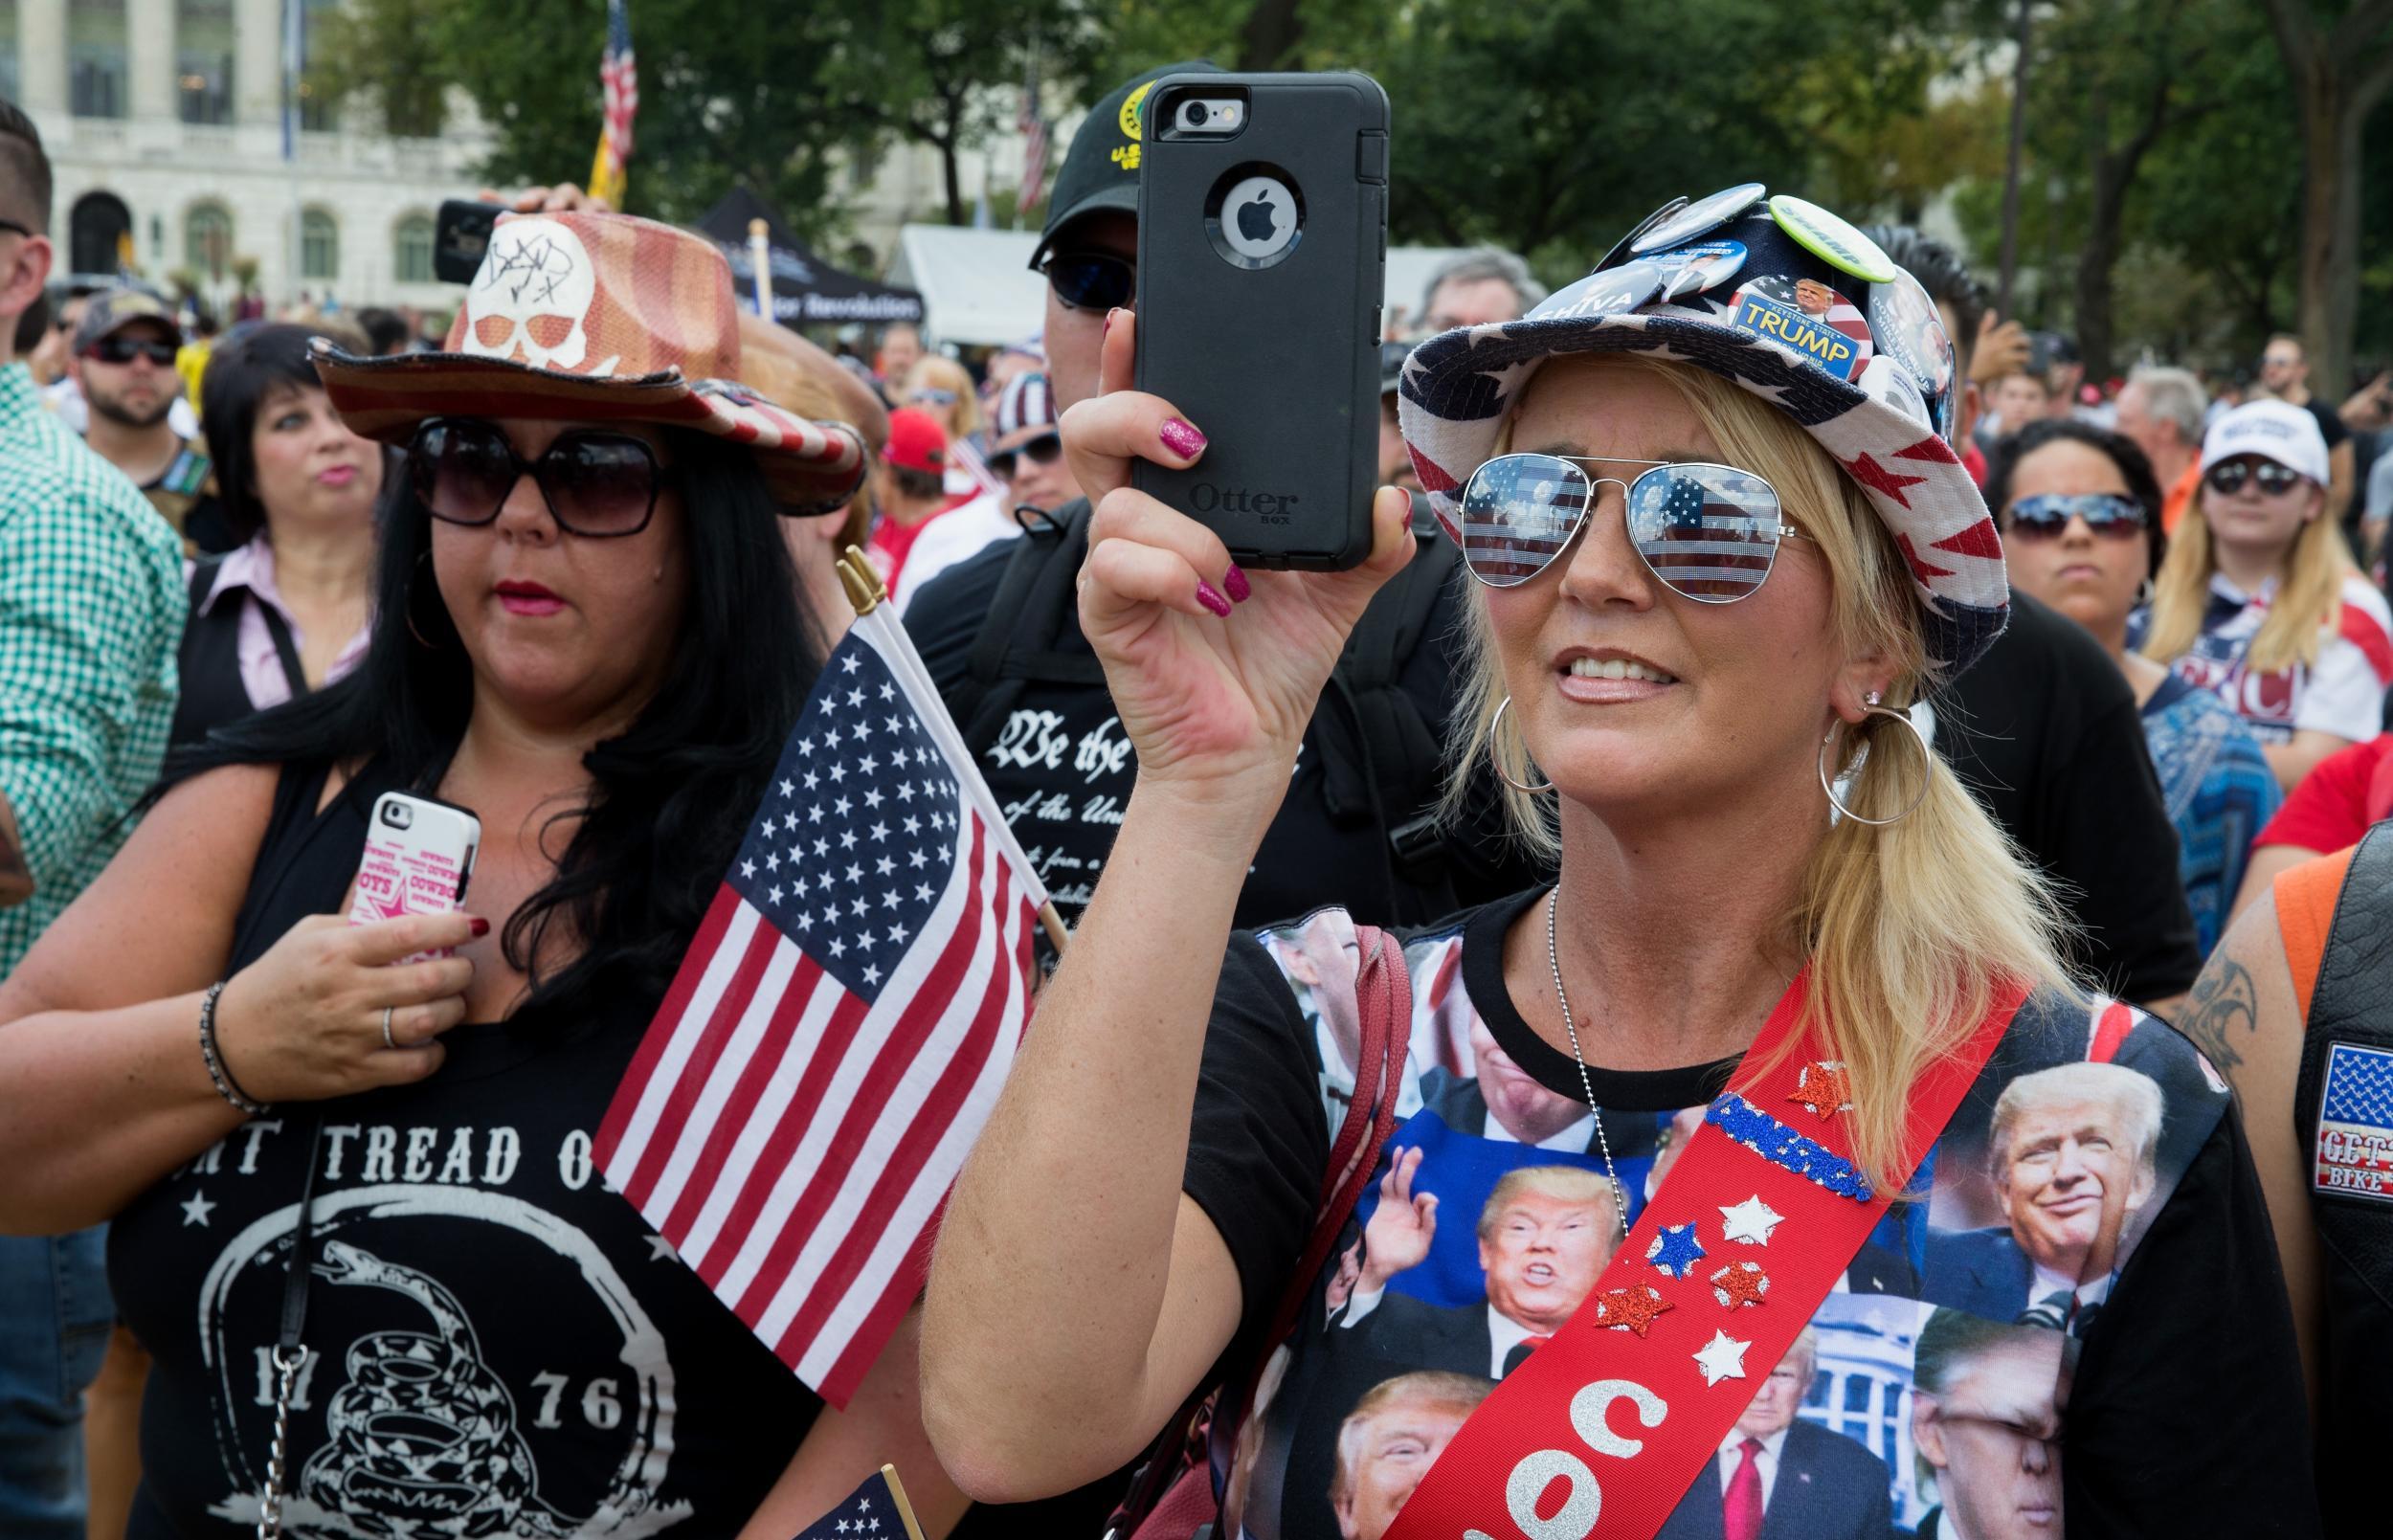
(2223, 1004)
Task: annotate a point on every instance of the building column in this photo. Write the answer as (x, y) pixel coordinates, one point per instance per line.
(41, 54)
(257, 62)
(150, 58)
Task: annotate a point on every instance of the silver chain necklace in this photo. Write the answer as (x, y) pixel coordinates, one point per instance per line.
(1553, 961)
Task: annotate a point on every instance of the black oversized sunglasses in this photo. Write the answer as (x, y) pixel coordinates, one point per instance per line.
(599, 485)
(1039, 450)
(2228, 477)
(126, 349)
(1092, 280)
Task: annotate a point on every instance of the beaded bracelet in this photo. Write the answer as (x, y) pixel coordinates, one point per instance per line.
(215, 1060)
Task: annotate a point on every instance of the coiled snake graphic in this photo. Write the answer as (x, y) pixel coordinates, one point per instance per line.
(422, 1435)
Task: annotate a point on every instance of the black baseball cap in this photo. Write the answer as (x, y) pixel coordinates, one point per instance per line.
(1101, 170)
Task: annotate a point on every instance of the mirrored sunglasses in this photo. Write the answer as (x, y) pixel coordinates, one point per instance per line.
(1710, 533)
(933, 396)
(1042, 449)
(1092, 280)
(2228, 477)
(2106, 513)
(600, 485)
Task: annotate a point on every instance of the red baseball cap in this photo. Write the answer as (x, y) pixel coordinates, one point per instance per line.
(916, 442)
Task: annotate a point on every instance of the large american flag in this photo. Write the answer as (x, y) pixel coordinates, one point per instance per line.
(619, 84)
(839, 1030)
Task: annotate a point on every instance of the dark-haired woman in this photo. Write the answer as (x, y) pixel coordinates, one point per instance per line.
(2080, 510)
(588, 632)
(284, 609)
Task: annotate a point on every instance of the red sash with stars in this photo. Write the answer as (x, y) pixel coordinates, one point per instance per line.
(1604, 1428)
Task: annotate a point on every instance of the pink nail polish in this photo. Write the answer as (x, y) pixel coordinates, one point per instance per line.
(1234, 583)
(1180, 436)
(1211, 598)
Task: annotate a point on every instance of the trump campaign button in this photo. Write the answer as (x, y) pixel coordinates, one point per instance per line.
(2353, 1155)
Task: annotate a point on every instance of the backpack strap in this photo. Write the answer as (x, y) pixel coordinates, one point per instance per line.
(1036, 601)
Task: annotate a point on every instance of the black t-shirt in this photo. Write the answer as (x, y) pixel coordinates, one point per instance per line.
(2170, 1373)
(2044, 730)
(2329, 421)
(498, 1345)
(1062, 768)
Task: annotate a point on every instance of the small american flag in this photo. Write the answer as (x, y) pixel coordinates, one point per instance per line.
(618, 83)
(837, 1036)
(1033, 127)
(877, 1510)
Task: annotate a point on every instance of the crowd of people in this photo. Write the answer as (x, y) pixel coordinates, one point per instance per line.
(1703, 714)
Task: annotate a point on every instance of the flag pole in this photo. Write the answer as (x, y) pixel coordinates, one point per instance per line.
(760, 259)
(865, 591)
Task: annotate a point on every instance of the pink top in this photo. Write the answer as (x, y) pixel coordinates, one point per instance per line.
(251, 568)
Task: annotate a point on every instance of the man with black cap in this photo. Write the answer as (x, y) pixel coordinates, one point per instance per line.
(1001, 635)
(123, 357)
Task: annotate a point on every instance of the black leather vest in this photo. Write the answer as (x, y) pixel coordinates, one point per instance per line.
(2352, 1009)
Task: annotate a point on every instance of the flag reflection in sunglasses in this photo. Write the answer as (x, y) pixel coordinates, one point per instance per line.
(1709, 536)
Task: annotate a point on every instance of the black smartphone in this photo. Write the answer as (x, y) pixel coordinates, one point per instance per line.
(1262, 245)
(460, 237)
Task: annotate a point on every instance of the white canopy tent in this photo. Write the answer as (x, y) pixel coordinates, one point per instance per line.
(978, 290)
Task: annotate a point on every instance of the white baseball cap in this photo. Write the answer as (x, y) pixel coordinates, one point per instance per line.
(2277, 430)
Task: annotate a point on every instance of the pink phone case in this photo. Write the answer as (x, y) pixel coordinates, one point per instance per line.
(419, 855)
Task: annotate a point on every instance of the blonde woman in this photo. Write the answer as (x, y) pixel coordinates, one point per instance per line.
(1710, 572)
(944, 388)
(2260, 601)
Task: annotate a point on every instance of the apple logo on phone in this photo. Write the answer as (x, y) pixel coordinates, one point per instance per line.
(1260, 219)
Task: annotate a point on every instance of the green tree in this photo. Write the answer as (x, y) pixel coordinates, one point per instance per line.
(372, 50)
(949, 73)
(2340, 68)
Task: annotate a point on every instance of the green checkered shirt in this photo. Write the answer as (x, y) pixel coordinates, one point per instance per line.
(91, 618)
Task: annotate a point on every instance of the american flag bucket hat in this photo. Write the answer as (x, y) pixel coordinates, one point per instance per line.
(1789, 303)
(592, 317)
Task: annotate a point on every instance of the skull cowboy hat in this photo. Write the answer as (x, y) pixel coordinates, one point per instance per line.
(599, 318)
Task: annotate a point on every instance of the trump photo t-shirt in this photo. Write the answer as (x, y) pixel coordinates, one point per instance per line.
(2075, 1322)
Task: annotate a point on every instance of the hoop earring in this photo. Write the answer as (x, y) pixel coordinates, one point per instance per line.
(1493, 723)
(2143, 594)
(1927, 764)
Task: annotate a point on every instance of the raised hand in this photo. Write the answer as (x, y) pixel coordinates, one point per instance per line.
(1215, 670)
(1401, 1227)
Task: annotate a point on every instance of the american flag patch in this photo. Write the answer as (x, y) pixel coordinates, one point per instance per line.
(2354, 1157)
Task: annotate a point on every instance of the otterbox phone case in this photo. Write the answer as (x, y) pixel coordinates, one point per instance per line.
(419, 856)
(1261, 252)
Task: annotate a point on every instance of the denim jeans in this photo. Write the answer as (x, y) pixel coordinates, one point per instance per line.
(54, 1319)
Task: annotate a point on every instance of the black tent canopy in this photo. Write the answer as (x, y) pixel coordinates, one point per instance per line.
(806, 289)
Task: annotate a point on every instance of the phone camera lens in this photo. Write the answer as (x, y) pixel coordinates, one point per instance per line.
(1194, 114)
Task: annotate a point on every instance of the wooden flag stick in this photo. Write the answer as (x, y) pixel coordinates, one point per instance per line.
(905, 1508)
(864, 590)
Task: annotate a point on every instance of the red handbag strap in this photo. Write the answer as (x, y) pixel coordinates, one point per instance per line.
(1383, 991)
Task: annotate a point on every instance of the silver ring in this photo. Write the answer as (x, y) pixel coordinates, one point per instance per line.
(387, 1041)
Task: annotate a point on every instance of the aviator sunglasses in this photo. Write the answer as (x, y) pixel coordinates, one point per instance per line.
(1039, 450)
(600, 485)
(2106, 513)
(1092, 280)
(2228, 477)
(1710, 533)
